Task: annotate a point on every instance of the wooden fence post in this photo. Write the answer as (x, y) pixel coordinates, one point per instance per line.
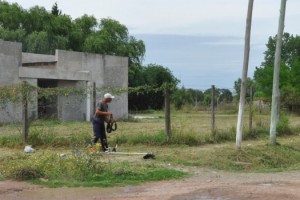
(94, 97)
(167, 113)
(212, 108)
(25, 121)
(250, 109)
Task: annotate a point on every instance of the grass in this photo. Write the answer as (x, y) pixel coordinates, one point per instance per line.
(118, 178)
(50, 168)
(192, 144)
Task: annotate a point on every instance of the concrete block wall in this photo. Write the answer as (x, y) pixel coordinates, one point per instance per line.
(70, 69)
(71, 107)
(33, 57)
(10, 60)
(116, 75)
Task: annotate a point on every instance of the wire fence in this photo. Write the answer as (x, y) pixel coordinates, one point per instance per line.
(26, 102)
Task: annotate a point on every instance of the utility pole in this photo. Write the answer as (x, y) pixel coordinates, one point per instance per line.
(239, 128)
(275, 91)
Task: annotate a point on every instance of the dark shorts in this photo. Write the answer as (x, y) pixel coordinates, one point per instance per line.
(99, 129)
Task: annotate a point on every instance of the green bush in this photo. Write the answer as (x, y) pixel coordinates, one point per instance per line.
(283, 126)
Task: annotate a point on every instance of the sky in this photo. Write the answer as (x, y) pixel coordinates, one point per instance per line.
(200, 41)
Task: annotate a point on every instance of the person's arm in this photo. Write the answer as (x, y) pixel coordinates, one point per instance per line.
(99, 112)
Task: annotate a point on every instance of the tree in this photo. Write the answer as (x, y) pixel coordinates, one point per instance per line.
(225, 96)
(17, 35)
(152, 78)
(289, 71)
(182, 96)
(37, 42)
(113, 38)
(55, 11)
(11, 16)
(221, 95)
(36, 19)
(42, 32)
(82, 27)
(237, 87)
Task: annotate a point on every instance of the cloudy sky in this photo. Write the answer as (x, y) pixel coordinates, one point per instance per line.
(200, 41)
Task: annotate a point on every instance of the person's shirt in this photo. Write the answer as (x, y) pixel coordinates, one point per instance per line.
(102, 107)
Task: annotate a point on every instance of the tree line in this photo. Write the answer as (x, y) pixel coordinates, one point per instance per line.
(289, 76)
(41, 31)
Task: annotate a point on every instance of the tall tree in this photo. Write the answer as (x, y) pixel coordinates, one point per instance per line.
(237, 86)
(11, 16)
(151, 78)
(55, 11)
(36, 19)
(82, 28)
(113, 38)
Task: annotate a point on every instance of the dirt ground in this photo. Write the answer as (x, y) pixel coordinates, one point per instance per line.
(202, 185)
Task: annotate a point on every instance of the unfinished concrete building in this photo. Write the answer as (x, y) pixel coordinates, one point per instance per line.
(64, 69)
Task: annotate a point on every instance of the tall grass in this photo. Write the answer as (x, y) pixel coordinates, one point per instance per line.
(83, 169)
(188, 128)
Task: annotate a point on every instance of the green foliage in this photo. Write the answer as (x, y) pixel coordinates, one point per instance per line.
(55, 11)
(283, 127)
(249, 84)
(152, 76)
(23, 91)
(42, 32)
(37, 42)
(182, 96)
(289, 72)
(82, 28)
(113, 38)
(17, 35)
(11, 16)
(221, 95)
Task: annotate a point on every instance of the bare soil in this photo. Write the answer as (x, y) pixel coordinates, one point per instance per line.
(202, 185)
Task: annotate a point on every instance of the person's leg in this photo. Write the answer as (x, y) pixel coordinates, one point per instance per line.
(103, 137)
(97, 130)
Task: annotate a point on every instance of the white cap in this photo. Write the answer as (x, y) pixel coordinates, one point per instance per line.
(108, 96)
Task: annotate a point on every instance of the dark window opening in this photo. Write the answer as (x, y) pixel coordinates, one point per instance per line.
(47, 105)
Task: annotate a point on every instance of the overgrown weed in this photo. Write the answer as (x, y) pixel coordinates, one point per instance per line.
(54, 169)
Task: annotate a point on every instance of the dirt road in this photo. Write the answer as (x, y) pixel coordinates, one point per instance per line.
(202, 185)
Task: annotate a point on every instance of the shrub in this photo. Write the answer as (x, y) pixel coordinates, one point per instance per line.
(283, 126)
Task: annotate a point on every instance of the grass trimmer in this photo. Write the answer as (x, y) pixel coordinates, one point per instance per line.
(113, 151)
(148, 155)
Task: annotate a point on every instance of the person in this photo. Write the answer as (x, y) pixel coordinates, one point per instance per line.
(99, 118)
